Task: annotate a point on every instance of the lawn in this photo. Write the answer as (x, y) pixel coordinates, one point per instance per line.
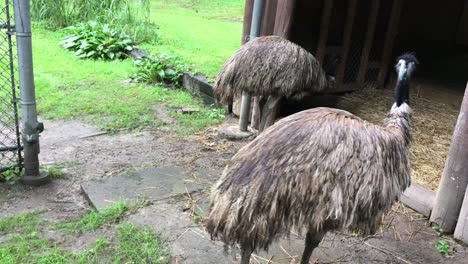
(203, 34)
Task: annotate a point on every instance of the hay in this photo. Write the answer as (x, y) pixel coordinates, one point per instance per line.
(433, 125)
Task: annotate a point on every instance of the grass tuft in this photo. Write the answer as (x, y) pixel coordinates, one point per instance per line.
(24, 242)
(20, 222)
(140, 245)
(96, 219)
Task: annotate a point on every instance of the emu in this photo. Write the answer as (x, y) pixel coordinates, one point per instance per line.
(273, 67)
(322, 169)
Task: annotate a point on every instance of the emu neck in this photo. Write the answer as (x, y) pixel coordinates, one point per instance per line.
(398, 122)
(402, 91)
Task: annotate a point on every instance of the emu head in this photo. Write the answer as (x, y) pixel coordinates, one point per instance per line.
(406, 64)
(329, 67)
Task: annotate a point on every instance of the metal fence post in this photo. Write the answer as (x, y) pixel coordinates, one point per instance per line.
(254, 32)
(30, 126)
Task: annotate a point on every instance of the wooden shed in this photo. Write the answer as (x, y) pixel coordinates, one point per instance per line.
(369, 34)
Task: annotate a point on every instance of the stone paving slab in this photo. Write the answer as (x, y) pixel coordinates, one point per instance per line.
(151, 184)
(189, 243)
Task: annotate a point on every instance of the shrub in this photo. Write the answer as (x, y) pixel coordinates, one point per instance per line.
(97, 41)
(159, 69)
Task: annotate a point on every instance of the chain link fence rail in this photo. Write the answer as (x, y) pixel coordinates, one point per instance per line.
(10, 144)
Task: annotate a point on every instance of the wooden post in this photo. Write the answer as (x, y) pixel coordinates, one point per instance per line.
(368, 43)
(461, 231)
(324, 27)
(454, 181)
(248, 11)
(268, 23)
(283, 19)
(390, 39)
(346, 42)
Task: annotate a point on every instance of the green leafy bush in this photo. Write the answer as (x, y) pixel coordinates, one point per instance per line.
(97, 41)
(159, 69)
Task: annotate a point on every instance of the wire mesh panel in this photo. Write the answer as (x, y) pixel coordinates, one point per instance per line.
(10, 148)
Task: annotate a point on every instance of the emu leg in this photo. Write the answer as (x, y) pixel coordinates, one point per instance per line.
(312, 241)
(246, 251)
(270, 112)
(256, 112)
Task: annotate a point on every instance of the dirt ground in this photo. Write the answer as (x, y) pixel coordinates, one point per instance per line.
(84, 154)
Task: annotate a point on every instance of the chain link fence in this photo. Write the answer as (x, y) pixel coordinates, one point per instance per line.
(10, 145)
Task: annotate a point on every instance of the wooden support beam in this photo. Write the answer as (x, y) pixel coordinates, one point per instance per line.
(333, 50)
(283, 19)
(346, 41)
(248, 12)
(454, 181)
(374, 64)
(324, 27)
(461, 231)
(368, 42)
(344, 88)
(419, 198)
(390, 39)
(269, 18)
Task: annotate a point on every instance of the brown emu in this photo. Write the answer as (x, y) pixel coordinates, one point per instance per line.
(321, 169)
(272, 66)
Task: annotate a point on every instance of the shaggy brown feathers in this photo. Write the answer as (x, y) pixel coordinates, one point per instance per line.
(270, 66)
(321, 168)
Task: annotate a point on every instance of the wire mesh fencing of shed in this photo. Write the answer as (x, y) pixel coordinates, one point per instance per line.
(10, 145)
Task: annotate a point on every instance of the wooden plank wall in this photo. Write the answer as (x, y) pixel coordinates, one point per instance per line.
(284, 17)
(279, 17)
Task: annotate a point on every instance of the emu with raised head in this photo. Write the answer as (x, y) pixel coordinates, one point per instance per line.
(321, 169)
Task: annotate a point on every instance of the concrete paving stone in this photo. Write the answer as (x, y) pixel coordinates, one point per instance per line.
(151, 184)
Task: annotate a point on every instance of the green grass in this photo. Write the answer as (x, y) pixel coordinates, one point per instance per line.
(26, 222)
(204, 33)
(138, 246)
(98, 92)
(55, 171)
(25, 242)
(96, 219)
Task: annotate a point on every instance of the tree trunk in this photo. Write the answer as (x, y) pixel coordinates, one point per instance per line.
(454, 181)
